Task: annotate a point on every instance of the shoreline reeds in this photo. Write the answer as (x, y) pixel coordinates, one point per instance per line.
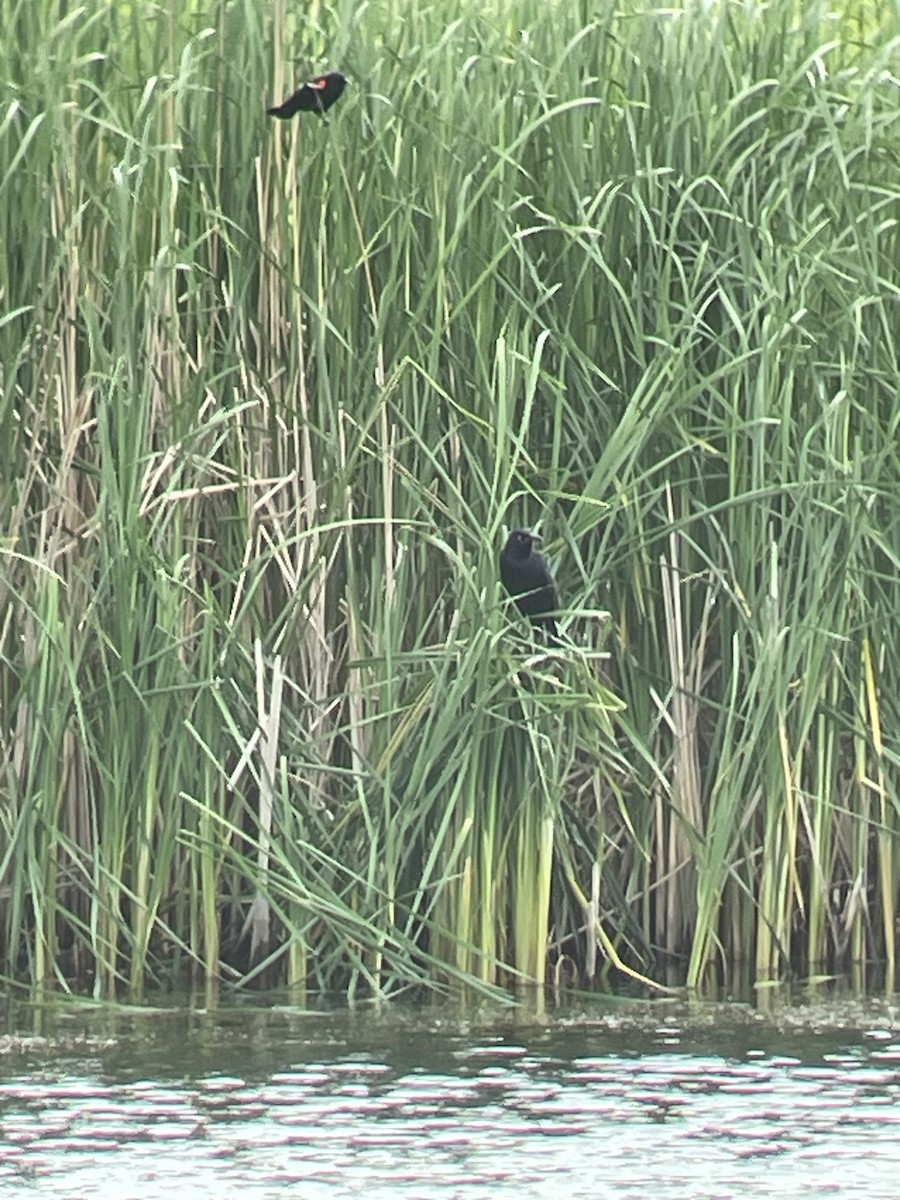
(270, 396)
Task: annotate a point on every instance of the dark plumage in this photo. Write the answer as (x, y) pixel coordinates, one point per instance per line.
(527, 577)
(316, 96)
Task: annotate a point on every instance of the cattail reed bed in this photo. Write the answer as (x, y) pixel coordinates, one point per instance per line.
(272, 395)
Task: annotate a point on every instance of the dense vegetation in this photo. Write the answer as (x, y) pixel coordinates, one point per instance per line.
(270, 396)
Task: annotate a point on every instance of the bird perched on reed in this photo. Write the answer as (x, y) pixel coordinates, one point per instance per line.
(316, 96)
(527, 577)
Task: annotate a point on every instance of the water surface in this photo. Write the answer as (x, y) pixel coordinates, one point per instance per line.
(629, 1101)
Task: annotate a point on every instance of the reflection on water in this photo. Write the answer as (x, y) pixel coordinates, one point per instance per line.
(263, 1105)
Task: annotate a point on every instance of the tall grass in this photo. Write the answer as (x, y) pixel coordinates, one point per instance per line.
(270, 396)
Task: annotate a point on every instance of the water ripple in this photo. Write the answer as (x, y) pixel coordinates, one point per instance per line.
(485, 1116)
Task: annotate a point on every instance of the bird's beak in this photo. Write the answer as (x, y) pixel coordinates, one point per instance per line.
(536, 537)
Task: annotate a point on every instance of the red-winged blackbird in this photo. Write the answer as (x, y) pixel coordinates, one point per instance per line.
(316, 96)
(527, 577)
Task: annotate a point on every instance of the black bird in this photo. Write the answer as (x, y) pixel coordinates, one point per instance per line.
(316, 96)
(527, 577)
